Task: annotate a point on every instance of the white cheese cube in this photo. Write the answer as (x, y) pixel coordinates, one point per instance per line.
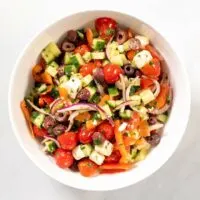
(96, 158)
(105, 148)
(142, 58)
(73, 85)
(143, 40)
(78, 153)
(147, 96)
(121, 48)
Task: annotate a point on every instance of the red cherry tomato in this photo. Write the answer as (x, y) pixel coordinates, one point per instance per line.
(87, 69)
(106, 27)
(98, 63)
(45, 99)
(146, 82)
(68, 140)
(152, 69)
(87, 167)
(64, 159)
(113, 158)
(111, 73)
(106, 129)
(98, 138)
(82, 49)
(85, 135)
(39, 132)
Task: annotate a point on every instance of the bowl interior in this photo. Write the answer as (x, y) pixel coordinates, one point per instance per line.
(174, 129)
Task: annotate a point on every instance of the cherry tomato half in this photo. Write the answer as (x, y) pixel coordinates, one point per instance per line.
(113, 158)
(152, 69)
(106, 129)
(85, 135)
(87, 69)
(87, 167)
(111, 73)
(39, 132)
(68, 140)
(106, 27)
(82, 49)
(64, 159)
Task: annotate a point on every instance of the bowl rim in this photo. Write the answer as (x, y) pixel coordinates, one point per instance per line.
(11, 85)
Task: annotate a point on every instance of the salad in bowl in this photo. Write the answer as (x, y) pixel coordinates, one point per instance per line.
(100, 100)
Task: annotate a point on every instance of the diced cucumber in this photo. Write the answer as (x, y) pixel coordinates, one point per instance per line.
(162, 118)
(87, 57)
(87, 80)
(136, 100)
(111, 103)
(41, 88)
(50, 146)
(52, 68)
(113, 91)
(147, 96)
(134, 152)
(95, 98)
(50, 52)
(98, 44)
(96, 116)
(105, 62)
(143, 112)
(37, 118)
(92, 91)
(70, 69)
(54, 92)
(98, 55)
(76, 60)
(124, 59)
(141, 155)
(117, 59)
(63, 79)
(135, 81)
(126, 114)
(67, 58)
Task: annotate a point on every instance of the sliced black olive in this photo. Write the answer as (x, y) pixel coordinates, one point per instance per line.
(49, 122)
(129, 70)
(152, 120)
(59, 129)
(68, 46)
(83, 95)
(61, 71)
(99, 75)
(121, 36)
(61, 117)
(134, 44)
(138, 73)
(154, 139)
(72, 35)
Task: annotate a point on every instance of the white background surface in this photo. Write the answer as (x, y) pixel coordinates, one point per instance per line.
(178, 21)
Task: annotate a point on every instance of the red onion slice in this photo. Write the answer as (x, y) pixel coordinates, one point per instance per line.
(86, 106)
(38, 109)
(159, 111)
(127, 103)
(52, 139)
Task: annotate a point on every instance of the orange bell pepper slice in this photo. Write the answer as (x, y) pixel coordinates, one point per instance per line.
(162, 97)
(120, 142)
(89, 36)
(128, 141)
(46, 78)
(63, 93)
(104, 99)
(83, 117)
(130, 54)
(36, 73)
(27, 116)
(144, 128)
(116, 166)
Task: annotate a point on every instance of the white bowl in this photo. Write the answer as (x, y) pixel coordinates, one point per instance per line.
(21, 82)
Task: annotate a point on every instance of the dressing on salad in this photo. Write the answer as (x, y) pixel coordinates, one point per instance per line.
(100, 99)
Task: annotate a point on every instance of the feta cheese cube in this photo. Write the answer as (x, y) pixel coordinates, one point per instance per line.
(142, 58)
(78, 153)
(105, 148)
(96, 158)
(143, 40)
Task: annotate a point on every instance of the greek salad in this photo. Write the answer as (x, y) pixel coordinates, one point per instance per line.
(100, 99)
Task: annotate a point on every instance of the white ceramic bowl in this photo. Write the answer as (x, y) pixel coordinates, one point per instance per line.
(21, 82)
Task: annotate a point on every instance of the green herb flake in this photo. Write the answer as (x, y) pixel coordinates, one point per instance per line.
(110, 31)
(82, 147)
